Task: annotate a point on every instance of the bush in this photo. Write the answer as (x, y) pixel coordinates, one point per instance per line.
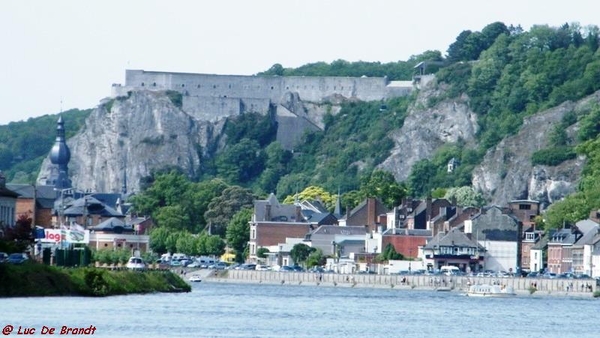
(553, 156)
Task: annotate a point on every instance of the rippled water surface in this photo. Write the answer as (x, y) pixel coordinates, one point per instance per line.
(257, 310)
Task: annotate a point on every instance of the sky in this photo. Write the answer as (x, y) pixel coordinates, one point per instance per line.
(58, 55)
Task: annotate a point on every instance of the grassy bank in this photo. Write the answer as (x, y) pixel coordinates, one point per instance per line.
(30, 280)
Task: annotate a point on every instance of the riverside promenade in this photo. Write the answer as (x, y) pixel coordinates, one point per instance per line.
(559, 287)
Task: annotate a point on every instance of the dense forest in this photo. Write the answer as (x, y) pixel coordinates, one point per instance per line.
(504, 72)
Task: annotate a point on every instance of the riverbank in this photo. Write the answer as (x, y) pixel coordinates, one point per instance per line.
(522, 286)
(34, 280)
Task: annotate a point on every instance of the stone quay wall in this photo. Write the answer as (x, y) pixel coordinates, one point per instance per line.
(458, 283)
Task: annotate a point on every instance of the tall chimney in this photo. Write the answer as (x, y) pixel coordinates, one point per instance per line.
(371, 217)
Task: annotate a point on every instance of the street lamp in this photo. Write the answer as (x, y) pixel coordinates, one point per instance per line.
(409, 262)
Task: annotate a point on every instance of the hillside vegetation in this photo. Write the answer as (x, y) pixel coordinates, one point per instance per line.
(503, 72)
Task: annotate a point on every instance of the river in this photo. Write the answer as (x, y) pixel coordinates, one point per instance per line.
(258, 310)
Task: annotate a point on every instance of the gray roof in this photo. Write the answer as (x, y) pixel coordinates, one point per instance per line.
(543, 242)
(340, 230)
(494, 224)
(44, 194)
(90, 206)
(113, 225)
(279, 212)
(407, 232)
(586, 225)
(587, 237)
(563, 236)
(454, 238)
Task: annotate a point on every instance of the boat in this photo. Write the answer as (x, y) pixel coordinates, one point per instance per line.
(195, 278)
(487, 290)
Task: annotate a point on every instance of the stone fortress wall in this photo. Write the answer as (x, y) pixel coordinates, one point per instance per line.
(212, 97)
(309, 88)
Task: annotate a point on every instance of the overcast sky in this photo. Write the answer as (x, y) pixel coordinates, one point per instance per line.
(73, 51)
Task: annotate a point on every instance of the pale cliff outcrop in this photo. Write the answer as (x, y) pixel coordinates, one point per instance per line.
(427, 129)
(132, 136)
(507, 173)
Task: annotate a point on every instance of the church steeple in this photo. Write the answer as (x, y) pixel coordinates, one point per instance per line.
(60, 155)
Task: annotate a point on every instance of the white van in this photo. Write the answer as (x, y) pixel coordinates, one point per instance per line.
(449, 270)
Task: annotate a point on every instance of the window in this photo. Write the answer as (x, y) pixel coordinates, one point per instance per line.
(524, 206)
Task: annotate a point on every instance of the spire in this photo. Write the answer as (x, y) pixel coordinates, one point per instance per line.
(338, 204)
(60, 155)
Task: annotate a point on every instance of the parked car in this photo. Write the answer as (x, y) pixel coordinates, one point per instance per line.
(3, 257)
(218, 266)
(247, 267)
(135, 263)
(17, 258)
(194, 265)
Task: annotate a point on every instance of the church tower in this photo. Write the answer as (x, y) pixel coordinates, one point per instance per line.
(60, 156)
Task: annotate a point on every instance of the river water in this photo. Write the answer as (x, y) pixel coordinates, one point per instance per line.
(258, 310)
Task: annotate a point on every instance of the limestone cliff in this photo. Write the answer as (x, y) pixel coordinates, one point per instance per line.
(132, 136)
(427, 129)
(507, 173)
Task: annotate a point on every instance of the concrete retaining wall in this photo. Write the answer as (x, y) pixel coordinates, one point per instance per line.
(520, 285)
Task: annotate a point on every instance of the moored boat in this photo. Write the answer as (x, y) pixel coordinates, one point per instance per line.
(487, 290)
(195, 278)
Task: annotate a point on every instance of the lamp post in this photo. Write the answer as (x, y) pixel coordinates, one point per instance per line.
(409, 262)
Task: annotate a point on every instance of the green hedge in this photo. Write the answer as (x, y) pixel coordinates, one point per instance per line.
(553, 156)
(32, 279)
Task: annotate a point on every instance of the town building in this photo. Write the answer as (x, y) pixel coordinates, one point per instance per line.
(499, 232)
(453, 248)
(8, 204)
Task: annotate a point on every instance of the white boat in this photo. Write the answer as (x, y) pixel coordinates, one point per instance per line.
(487, 290)
(195, 278)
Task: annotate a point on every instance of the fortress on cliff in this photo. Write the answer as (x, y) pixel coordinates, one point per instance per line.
(294, 100)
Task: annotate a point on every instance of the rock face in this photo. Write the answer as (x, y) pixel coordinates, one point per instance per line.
(507, 173)
(132, 137)
(126, 138)
(427, 129)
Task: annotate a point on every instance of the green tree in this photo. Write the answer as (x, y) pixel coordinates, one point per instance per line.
(158, 239)
(589, 126)
(466, 197)
(221, 209)
(382, 184)
(238, 232)
(262, 253)
(186, 244)
(215, 245)
(313, 193)
(389, 253)
(240, 163)
(420, 178)
(316, 258)
(173, 217)
(300, 252)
